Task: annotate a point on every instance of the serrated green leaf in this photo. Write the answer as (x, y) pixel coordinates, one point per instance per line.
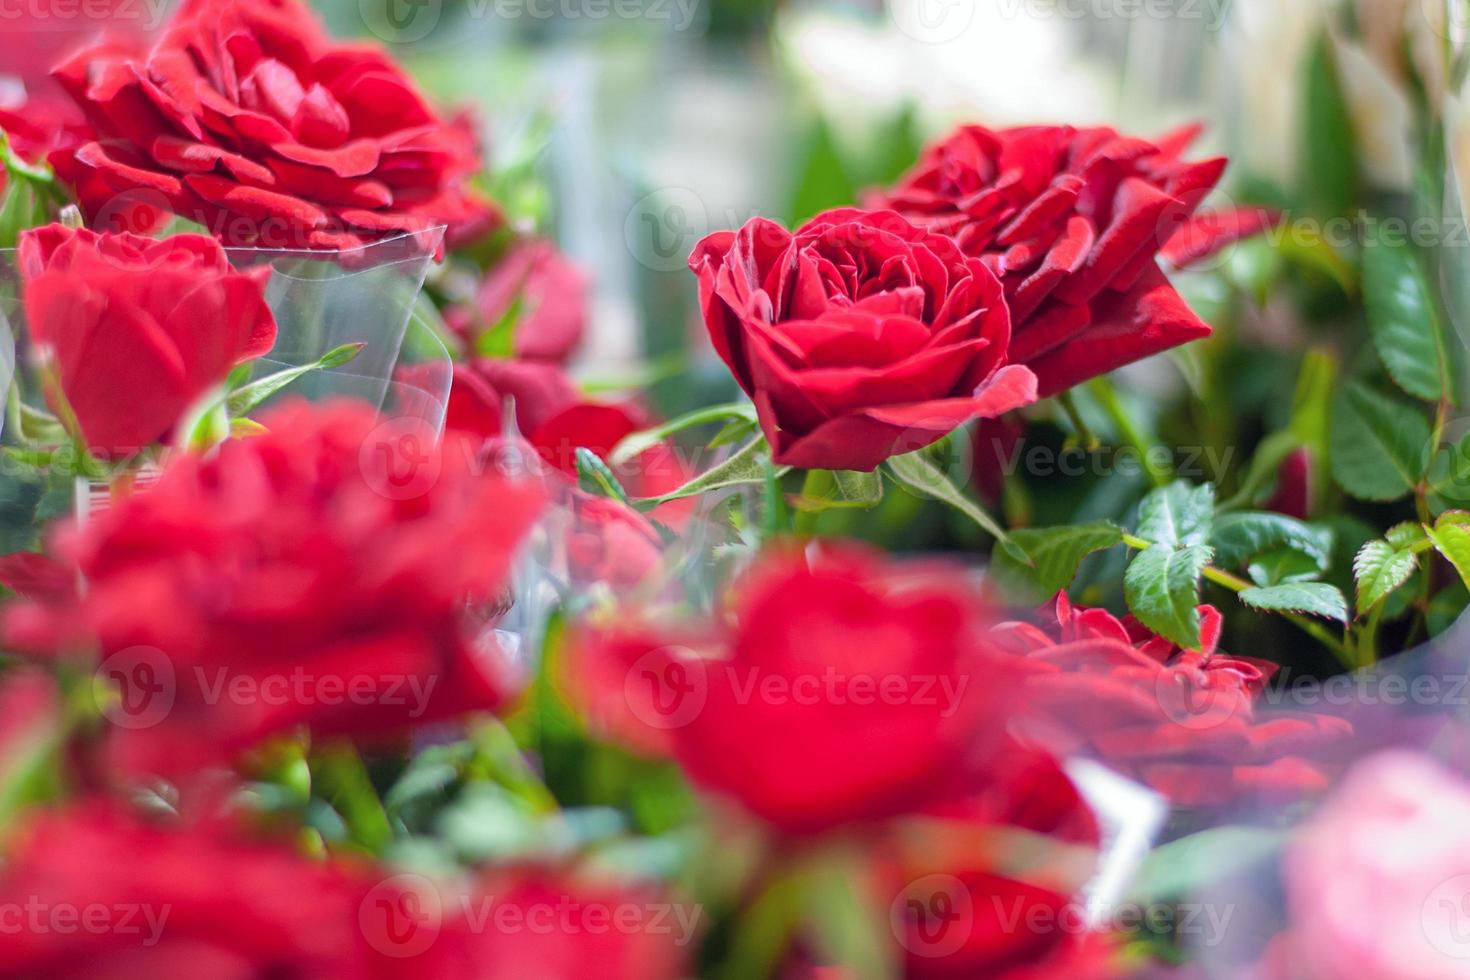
(1380, 568)
(742, 468)
(918, 473)
(1380, 446)
(1453, 541)
(594, 477)
(1313, 598)
(1240, 537)
(1054, 553)
(1405, 322)
(1329, 150)
(1178, 514)
(1405, 535)
(1162, 589)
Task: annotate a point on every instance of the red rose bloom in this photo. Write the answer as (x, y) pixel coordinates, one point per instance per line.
(1072, 221)
(547, 293)
(557, 420)
(176, 906)
(959, 914)
(321, 574)
(247, 118)
(202, 902)
(837, 691)
(1182, 721)
(858, 336)
(138, 328)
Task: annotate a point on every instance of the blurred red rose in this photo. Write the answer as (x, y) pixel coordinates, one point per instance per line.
(138, 328)
(320, 574)
(1073, 221)
(959, 912)
(553, 924)
(173, 905)
(610, 542)
(1181, 721)
(248, 119)
(1295, 485)
(833, 689)
(547, 293)
(858, 336)
(556, 419)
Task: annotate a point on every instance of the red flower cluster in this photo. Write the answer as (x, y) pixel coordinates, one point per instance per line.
(843, 689)
(102, 895)
(1072, 221)
(138, 329)
(858, 336)
(318, 574)
(1181, 721)
(247, 118)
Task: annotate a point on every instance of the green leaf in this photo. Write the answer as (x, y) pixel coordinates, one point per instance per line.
(1380, 446)
(1405, 322)
(743, 467)
(1187, 866)
(917, 472)
(1055, 554)
(1162, 588)
(637, 443)
(1314, 598)
(1329, 165)
(859, 488)
(1446, 608)
(1240, 537)
(823, 181)
(1283, 567)
(1381, 568)
(1453, 541)
(1405, 535)
(1449, 477)
(595, 478)
(1178, 514)
(340, 778)
(243, 400)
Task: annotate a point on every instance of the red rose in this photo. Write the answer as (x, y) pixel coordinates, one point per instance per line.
(1072, 222)
(138, 328)
(1182, 721)
(200, 901)
(546, 292)
(247, 118)
(839, 690)
(610, 542)
(556, 419)
(335, 572)
(958, 912)
(858, 336)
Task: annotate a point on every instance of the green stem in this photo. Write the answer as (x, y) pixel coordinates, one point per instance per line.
(818, 485)
(1102, 389)
(1088, 438)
